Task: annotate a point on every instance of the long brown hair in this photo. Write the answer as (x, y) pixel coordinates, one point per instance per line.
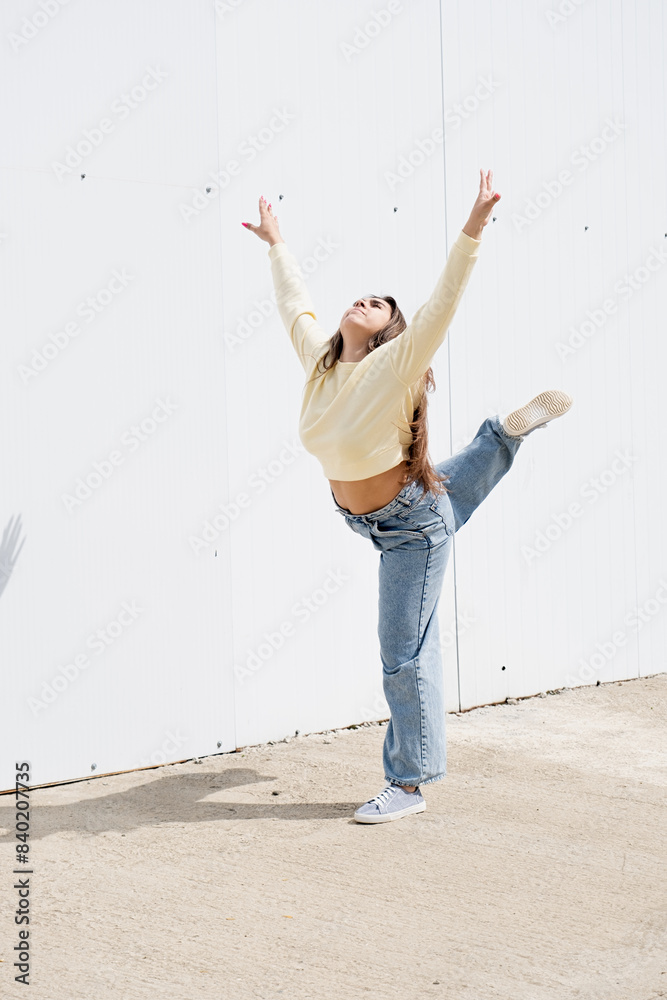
(419, 467)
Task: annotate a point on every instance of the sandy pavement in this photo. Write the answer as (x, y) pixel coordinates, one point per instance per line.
(537, 872)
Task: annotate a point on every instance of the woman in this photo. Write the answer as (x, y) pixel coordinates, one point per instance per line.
(363, 416)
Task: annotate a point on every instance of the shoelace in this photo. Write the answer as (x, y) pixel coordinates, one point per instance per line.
(383, 796)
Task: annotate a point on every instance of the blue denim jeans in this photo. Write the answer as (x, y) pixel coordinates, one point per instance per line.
(413, 534)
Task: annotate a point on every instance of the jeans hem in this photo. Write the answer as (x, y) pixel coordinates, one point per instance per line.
(426, 781)
(504, 434)
(436, 777)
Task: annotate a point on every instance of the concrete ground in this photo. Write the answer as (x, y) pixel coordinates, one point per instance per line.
(537, 872)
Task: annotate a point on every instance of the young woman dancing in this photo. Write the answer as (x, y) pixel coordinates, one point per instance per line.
(363, 416)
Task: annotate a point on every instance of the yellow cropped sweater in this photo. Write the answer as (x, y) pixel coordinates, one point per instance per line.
(355, 417)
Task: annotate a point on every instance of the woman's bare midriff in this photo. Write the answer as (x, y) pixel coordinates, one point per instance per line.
(361, 496)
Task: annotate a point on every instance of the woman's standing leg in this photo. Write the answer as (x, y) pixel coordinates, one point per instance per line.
(410, 583)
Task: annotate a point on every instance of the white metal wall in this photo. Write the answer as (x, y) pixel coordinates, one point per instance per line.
(234, 605)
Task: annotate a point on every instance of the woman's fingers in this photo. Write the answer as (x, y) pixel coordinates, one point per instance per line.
(268, 223)
(486, 182)
(487, 197)
(264, 209)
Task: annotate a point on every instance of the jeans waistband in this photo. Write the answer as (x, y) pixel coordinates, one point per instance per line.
(401, 501)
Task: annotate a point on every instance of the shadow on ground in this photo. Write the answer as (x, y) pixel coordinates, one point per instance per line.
(173, 798)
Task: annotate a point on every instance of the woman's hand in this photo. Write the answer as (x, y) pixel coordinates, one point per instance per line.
(481, 210)
(268, 225)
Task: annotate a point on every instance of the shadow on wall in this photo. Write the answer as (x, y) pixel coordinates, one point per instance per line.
(8, 551)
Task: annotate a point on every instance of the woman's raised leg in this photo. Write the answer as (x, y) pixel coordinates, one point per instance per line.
(476, 469)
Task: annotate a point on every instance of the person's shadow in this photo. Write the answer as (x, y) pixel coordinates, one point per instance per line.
(8, 556)
(172, 798)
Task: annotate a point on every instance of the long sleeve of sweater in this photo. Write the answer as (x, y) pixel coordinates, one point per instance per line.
(295, 305)
(411, 352)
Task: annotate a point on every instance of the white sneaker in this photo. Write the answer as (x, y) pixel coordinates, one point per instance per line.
(393, 802)
(538, 412)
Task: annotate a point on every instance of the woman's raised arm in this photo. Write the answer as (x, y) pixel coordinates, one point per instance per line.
(411, 352)
(292, 297)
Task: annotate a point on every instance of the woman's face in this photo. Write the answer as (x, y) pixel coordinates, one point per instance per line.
(365, 317)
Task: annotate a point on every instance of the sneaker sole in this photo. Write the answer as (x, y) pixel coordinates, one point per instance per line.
(387, 817)
(546, 406)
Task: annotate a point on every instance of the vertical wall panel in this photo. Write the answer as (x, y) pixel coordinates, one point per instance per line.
(554, 593)
(113, 637)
